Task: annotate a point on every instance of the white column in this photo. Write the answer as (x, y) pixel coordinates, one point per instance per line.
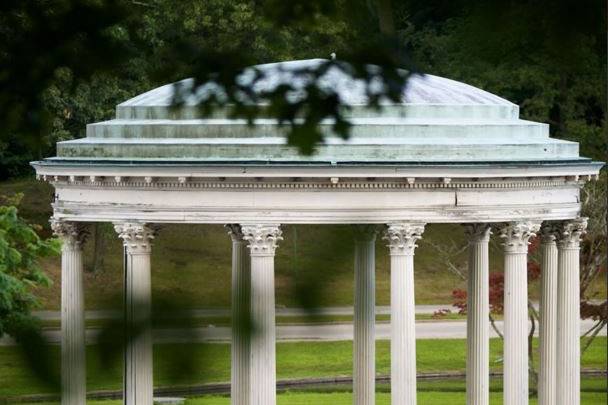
(138, 383)
(478, 313)
(240, 350)
(402, 239)
(548, 316)
(262, 246)
(515, 351)
(568, 312)
(364, 344)
(73, 346)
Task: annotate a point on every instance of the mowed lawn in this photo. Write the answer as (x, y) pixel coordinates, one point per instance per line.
(436, 393)
(188, 364)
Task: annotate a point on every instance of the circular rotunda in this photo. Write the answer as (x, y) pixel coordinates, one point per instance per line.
(447, 153)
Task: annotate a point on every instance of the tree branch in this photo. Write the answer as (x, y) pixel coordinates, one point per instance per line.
(596, 330)
(493, 324)
(385, 17)
(532, 313)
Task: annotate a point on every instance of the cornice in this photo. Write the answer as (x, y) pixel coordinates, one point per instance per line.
(333, 183)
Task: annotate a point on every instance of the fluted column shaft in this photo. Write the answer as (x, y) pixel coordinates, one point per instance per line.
(364, 343)
(515, 352)
(240, 350)
(478, 313)
(262, 245)
(548, 316)
(138, 378)
(402, 239)
(73, 345)
(568, 312)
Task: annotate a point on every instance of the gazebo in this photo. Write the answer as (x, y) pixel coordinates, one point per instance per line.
(448, 153)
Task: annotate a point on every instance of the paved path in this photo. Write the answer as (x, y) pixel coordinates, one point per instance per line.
(424, 330)
(225, 312)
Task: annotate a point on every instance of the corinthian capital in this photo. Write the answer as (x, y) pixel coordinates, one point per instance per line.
(365, 233)
(402, 237)
(516, 235)
(263, 239)
(136, 237)
(548, 232)
(569, 233)
(477, 232)
(235, 232)
(72, 234)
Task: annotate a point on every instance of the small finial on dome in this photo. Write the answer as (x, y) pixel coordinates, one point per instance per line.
(333, 55)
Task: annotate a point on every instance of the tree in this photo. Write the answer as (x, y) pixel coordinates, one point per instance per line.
(593, 265)
(594, 256)
(90, 55)
(20, 252)
(496, 295)
(64, 63)
(549, 57)
(37, 39)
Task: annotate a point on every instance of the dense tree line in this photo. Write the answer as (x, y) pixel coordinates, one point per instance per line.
(68, 63)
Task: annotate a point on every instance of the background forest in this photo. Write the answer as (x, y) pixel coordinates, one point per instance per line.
(69, 63)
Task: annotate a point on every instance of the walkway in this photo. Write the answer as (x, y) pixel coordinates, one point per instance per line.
(329, 332)
(225, 312)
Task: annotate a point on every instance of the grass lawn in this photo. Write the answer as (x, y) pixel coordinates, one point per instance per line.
(345, 398)
(429, 393)
(188, 364)
(191, 263)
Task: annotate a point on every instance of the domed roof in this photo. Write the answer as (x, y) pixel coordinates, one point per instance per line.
(438, 120)
(421, 89)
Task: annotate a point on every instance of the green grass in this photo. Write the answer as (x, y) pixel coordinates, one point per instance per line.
(429, 393)
(188, 364)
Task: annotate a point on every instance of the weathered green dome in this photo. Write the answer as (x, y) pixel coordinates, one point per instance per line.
(438, 120)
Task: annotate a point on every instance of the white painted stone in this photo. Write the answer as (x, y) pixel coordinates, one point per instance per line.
(262, 241)
(364, 342)
(568, 312)
(240, 349)
(319, 201)
(402, 239)
(478, 312)
(138, 381)
(515, 241)
(548, 316)
(456, 171)
(437, 120)
(73, 346)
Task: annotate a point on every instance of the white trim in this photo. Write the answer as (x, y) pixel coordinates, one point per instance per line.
(319, 170)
